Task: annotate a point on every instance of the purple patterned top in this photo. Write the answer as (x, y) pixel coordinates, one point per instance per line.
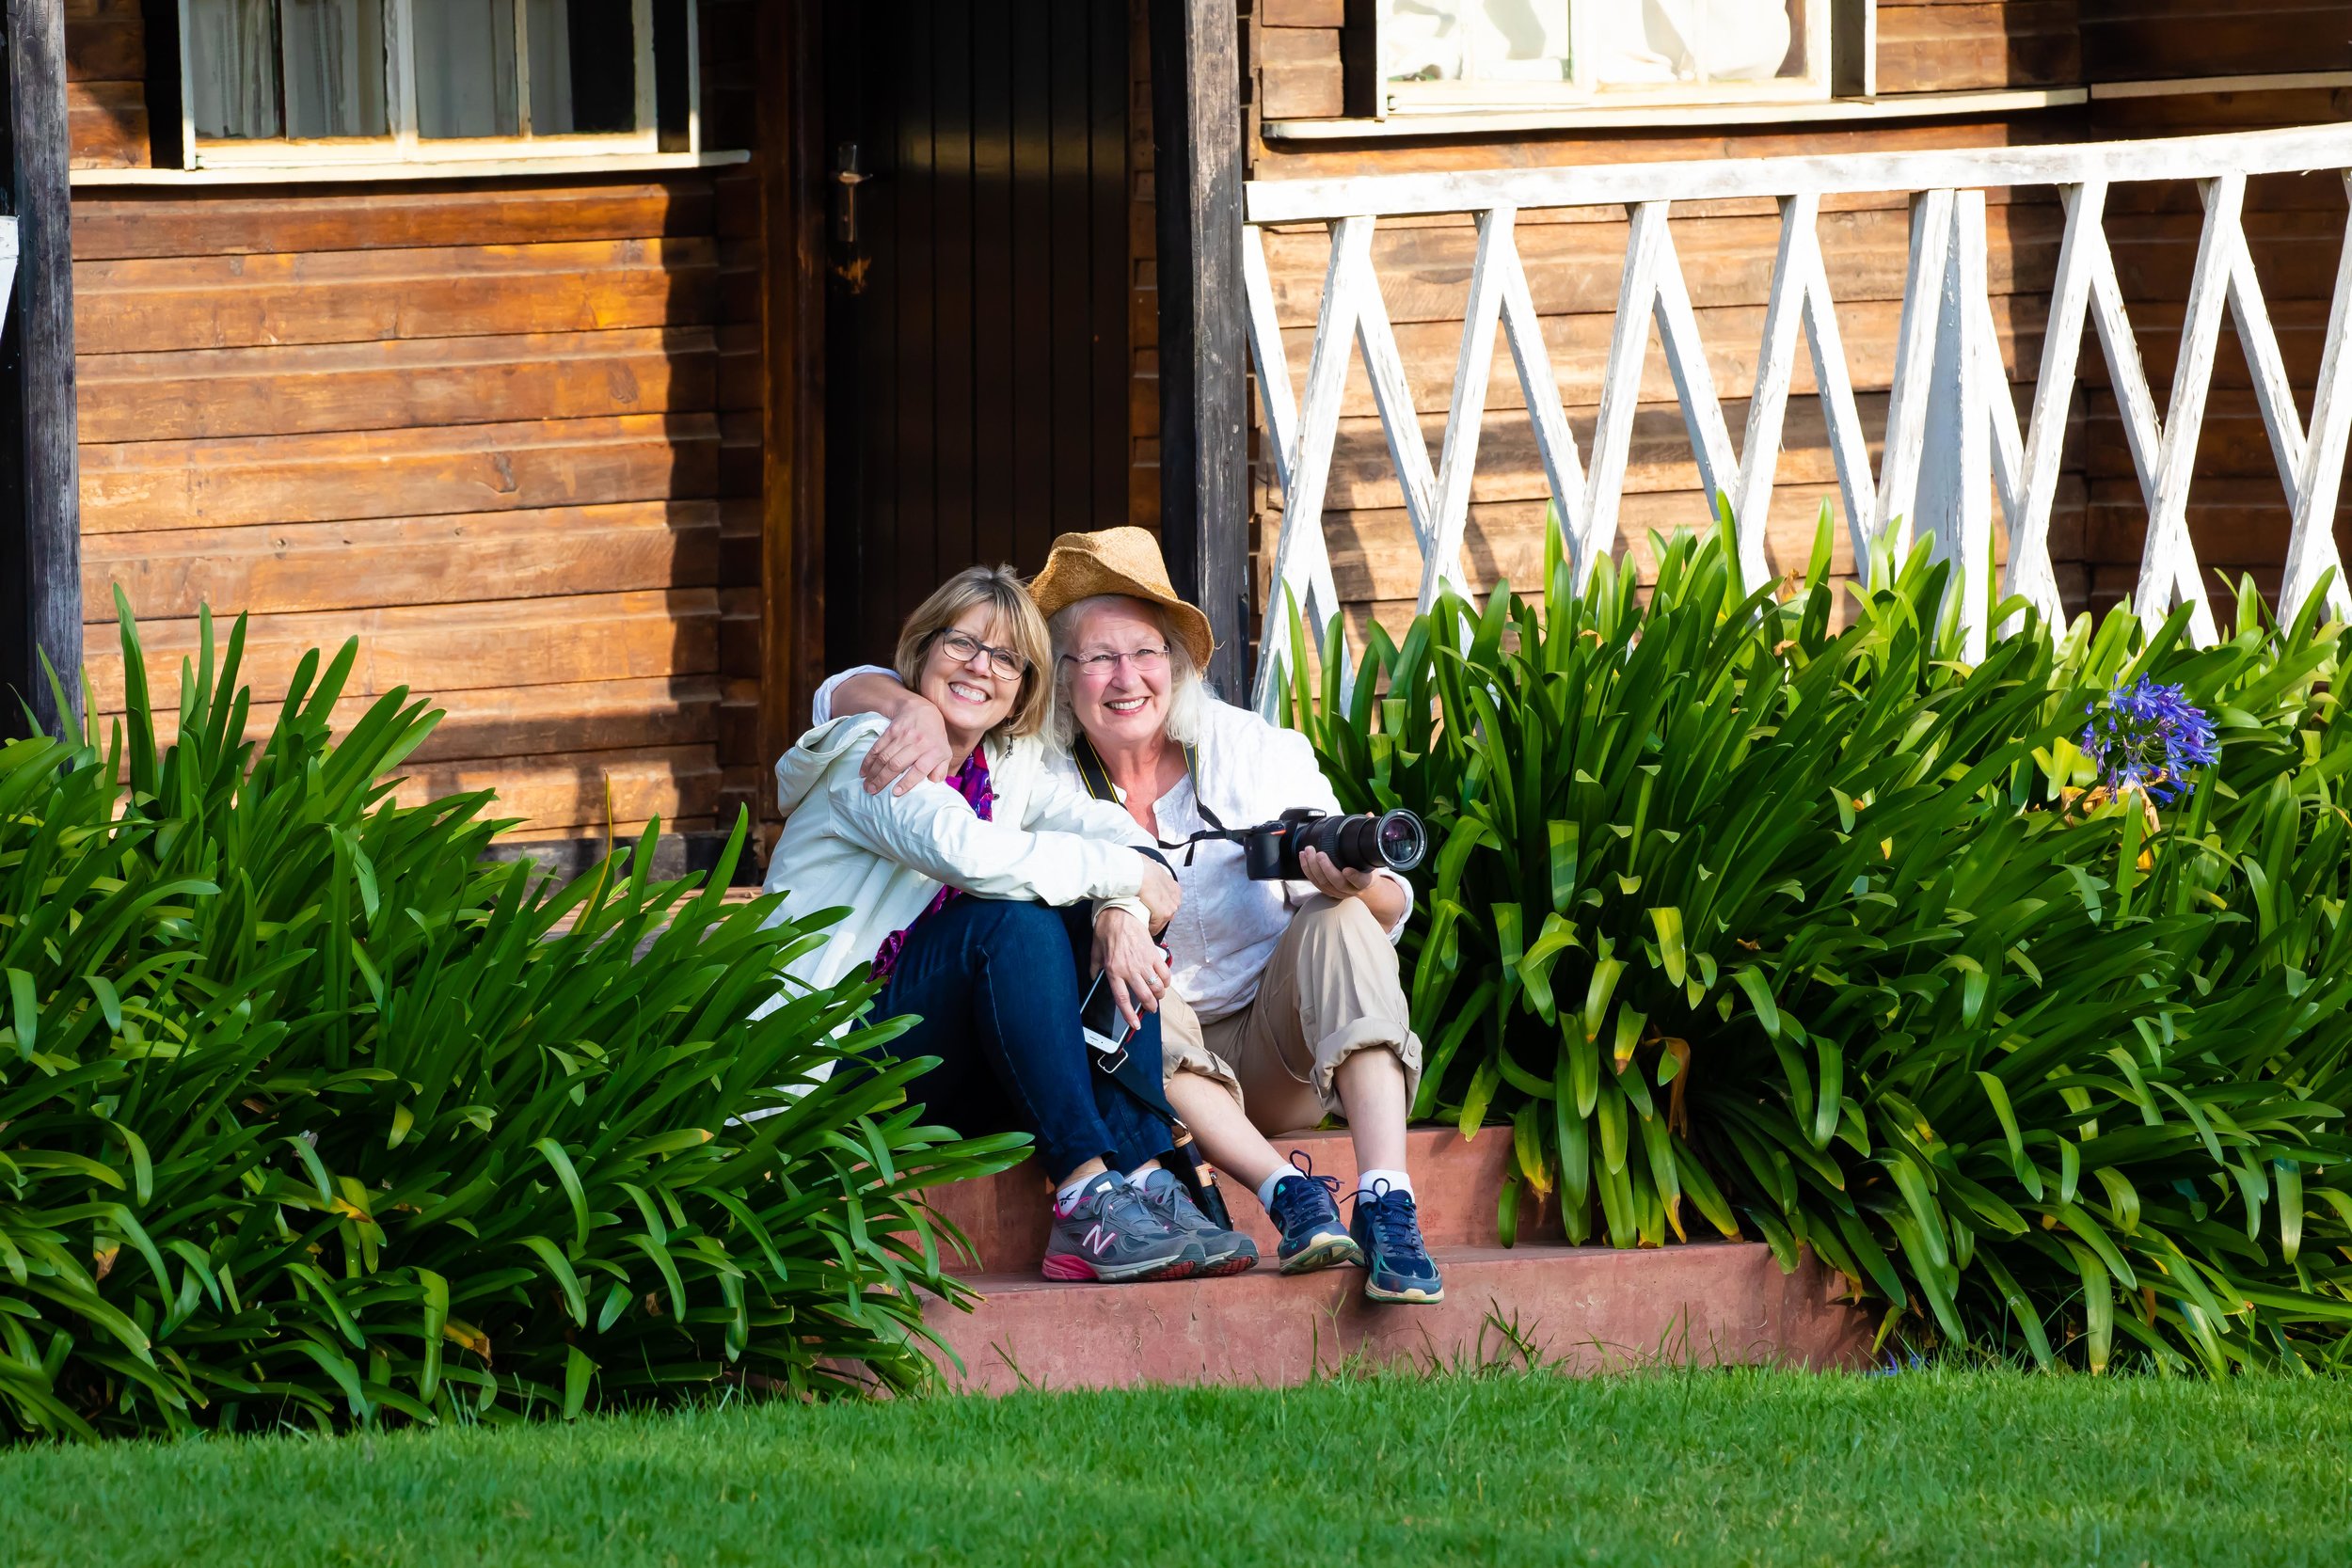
(971, 781)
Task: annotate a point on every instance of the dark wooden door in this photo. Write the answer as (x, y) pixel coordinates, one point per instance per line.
(977, 361)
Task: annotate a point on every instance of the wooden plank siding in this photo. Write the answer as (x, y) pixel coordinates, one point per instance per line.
(106, 91)
(2126, 40)
(505, 431)
(2237, 517)
(1956, 46)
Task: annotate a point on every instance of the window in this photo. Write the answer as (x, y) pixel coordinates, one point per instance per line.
(368, 81)
(1454, 54)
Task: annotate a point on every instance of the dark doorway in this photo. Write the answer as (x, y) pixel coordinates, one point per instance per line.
(977, 358)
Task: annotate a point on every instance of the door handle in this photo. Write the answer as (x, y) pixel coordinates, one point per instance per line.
(848, 176)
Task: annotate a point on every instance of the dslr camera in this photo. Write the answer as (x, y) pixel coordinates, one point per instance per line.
(1394, 839)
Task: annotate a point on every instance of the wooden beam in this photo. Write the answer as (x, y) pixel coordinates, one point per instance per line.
(2240, 153)
(1197, 152)
(792, 468)
(40, 471)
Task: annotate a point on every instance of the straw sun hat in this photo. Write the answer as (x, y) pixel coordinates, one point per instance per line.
(1121, 560)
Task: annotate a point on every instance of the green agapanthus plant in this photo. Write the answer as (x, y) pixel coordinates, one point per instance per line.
(1816, 930)
(308, 1114)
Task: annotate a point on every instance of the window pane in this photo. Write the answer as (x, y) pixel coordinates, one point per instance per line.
(583, 66)
(466, 68)
(1697, 41)
(232, 66)
(1519, 40)
(1420, 41)
(335, 68)
(1482, 41)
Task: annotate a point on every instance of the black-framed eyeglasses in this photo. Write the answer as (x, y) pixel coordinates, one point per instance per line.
(963, 646)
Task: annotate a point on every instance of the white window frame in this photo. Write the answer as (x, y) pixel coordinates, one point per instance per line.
(404, 145)
(1581, 91)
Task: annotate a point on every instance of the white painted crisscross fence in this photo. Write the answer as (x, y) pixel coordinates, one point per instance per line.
(1952, 436)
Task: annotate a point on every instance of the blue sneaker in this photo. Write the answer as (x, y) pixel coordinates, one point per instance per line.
(1304, 1209)
(1388, 1229)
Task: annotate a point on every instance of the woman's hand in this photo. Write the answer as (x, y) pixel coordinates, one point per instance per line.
(1329, 880)
(1132, 963)
(911, 750)
(1161, 894)
(1380, 895)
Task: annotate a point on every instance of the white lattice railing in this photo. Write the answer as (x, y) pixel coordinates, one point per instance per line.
(1952, 437)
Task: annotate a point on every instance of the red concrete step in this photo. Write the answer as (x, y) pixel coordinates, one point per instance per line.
(1584, 1309)
(1457, 1185)
(1587, 1308)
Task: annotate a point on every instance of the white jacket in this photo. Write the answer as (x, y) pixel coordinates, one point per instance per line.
(1250, 772)
(880, 858)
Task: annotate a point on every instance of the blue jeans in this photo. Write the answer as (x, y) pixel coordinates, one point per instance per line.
(996, 984)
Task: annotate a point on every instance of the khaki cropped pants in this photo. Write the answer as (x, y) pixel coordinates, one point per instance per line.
(1331, 989)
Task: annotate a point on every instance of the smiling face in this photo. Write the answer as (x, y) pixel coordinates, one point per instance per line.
(971, 695)
(1122, 703)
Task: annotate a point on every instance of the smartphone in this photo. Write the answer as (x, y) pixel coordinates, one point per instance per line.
(1104, 1026)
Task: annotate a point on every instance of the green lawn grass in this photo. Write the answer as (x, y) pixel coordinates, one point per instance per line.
(1676, 1467)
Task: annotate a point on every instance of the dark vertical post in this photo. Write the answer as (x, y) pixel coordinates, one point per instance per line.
(1197, 153)
(41, 542)
(792, 302)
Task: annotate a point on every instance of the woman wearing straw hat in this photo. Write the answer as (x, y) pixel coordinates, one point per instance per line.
(1283, 1003)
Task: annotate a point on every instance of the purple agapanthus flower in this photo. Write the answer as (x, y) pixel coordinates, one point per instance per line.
(2148, 738)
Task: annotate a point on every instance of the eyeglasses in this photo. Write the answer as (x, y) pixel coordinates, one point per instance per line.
(961, 647)
(1143, 662)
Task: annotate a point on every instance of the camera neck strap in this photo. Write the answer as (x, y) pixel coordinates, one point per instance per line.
(1098, 782)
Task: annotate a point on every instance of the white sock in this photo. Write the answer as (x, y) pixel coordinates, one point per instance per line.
(1265, 1188)
(1369, 1183)
(1065, 1198)
(1141, 1176)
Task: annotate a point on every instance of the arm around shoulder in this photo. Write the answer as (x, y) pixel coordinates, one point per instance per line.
(860, 688)
(932, 829)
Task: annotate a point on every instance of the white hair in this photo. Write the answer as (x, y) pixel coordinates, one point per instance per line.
(1187, 690)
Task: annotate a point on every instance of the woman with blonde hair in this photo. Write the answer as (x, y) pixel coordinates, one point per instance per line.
(950, 892)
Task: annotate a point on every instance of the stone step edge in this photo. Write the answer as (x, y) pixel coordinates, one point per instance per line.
(1575, 1309)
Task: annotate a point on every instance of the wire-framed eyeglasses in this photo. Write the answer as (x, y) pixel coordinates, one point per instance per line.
(1143, 662)
(961, 646)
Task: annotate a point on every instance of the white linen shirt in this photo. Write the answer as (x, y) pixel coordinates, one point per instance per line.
(1250, 772)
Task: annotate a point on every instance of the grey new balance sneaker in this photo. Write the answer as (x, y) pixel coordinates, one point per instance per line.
(1224, 1251)
(1112, 1235)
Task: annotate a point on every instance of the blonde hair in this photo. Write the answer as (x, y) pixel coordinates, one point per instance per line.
(1187, 690)
(1021, 628)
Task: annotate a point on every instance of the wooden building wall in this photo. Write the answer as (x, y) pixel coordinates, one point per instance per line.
(508, 430)
(504, 430)
(1574, 259)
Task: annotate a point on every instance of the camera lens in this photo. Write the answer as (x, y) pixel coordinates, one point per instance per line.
(1400, 840)
(1395, 839)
